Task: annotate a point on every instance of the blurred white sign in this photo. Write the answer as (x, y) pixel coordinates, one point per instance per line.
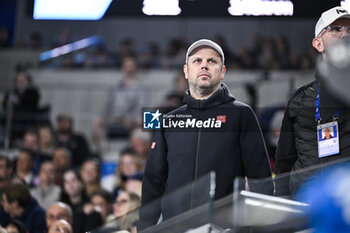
(70, 9)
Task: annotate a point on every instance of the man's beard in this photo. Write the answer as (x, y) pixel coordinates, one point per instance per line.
(206, 90)
(65, 131)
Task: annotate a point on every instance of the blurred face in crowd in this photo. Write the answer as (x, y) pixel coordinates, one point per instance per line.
(47, 173)
(60, 226)
(128, 164)
(330, 35)
(56, 212)
(5, 172)
(139, 145)
(12, 208)
(31, 141)
(21, 81)
(101, 204)
(10, 228)
(129, 66)
(64, 126)
(133, 185)
(89, 172)
(61, 159)
(24, 164)
(204, 72)
(121, 205)
(72, 184)
(46, 136)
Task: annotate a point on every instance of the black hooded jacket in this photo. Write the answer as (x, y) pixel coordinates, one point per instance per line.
(179, 156)
(297, 150)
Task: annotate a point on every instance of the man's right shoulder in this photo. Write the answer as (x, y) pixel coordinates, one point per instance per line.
(312, 86)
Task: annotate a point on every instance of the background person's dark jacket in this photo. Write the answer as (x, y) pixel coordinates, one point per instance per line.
(181, 156)
(297, 147)
(33, 218)
(78, 146)
(25, 109)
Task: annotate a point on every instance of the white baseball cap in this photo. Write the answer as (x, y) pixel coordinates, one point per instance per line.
(205, 42)
(329, 16)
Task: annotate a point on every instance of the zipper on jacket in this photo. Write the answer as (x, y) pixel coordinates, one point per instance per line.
(196, 160)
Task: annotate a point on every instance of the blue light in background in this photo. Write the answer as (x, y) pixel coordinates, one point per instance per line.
(69, 48)
(70, 9)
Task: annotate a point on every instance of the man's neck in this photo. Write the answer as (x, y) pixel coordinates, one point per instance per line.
(203, 94)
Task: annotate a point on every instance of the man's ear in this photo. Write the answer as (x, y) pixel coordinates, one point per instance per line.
(185, 71)
(317, 43)
(223, 71)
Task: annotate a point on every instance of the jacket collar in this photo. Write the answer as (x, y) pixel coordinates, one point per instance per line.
(221, 96)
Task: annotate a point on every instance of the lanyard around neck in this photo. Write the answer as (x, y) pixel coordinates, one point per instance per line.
(318, 117)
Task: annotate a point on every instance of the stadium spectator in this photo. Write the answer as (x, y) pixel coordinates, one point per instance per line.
(21, 104)
(17, 203)
(6, 171)
(179, 155)
(68, 138)
(61, 226)
(310, 109)
(47, 192)
(62, 161)
(129, 166)
(14, 226)
(25, 166)
(125, 100)
(100, 201)
(57, 211)
(75, 196)
(46, 141)
(90, 174)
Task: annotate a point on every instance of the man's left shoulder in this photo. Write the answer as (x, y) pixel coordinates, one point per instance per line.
(235, 104)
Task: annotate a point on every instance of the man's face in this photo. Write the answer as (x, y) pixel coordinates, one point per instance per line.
(56, 212)
(328, 38)
(64, 126)
(204, 70)
(9, 207)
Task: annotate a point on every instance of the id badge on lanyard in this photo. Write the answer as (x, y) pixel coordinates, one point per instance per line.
(327, 134)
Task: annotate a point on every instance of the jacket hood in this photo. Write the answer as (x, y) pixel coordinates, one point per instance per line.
(221, 96)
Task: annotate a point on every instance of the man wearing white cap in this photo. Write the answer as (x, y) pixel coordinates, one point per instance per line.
(310, 110)
(211, 132)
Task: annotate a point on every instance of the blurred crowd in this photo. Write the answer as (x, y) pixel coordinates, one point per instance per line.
(49, 170)
(263, 52)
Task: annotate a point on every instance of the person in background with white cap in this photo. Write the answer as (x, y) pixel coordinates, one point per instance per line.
(310, 110)
(215, 133)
